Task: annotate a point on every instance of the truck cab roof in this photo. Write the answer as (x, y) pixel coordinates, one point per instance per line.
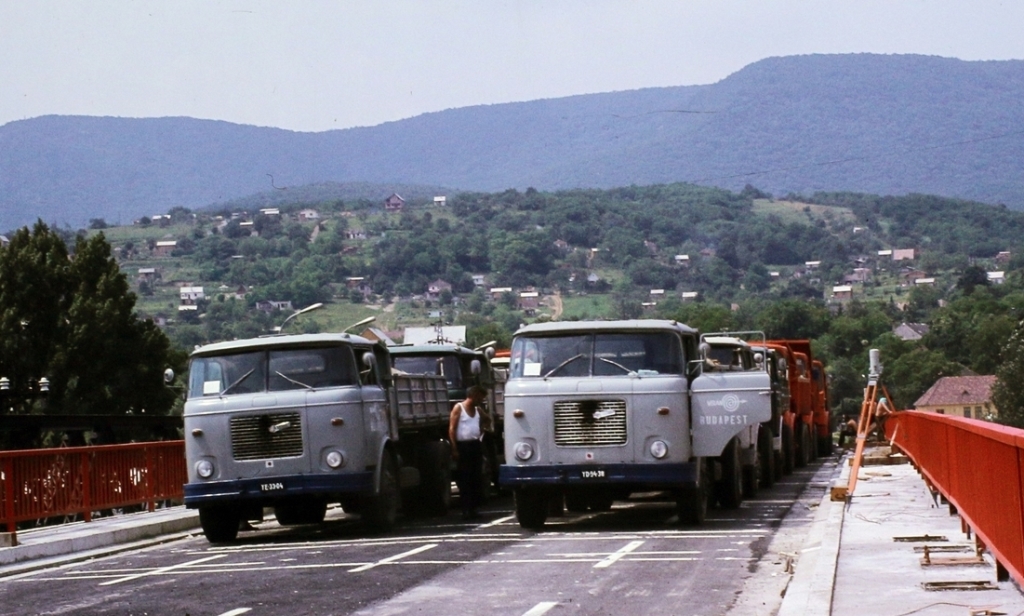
(604, 326)
(218, 348)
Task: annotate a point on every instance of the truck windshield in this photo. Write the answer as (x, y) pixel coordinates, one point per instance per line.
(274, 370)
(445, 365)
(601, 354)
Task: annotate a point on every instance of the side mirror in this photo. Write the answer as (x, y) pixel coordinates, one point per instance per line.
(489, 353)
(474, 366)
(168, 376)
(758, 359)
(369, 360)
(704, 348)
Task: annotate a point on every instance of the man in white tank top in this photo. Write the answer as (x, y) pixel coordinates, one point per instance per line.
(465, 431)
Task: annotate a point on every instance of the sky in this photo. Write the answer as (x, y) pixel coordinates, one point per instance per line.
(315, 65)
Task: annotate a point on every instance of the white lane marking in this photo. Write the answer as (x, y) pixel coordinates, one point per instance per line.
(497, 522)
(540, 608)
(391, 559)
(161, 570)
(610, 560)
(237, 611)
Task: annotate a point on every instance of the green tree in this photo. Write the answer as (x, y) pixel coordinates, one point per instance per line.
(73, 321)
(1007, 393)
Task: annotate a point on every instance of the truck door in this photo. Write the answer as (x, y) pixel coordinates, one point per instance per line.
(725, 403)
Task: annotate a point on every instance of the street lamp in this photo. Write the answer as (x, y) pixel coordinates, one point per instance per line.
(309, 308)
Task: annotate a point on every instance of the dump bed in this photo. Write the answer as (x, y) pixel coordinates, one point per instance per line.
(421, 400)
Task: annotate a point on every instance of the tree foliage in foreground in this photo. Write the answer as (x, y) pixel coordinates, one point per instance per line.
(70, 318)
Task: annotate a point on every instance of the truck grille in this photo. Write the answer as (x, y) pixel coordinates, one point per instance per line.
(252, 439)
(576, 426)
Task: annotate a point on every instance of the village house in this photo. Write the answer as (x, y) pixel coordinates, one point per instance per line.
(164, 248)
(479, 280)
(859, 274)
(270, 211)
(903, 254)
(928, 282)
(269, 305)
(682, 259)
(842, 292)
(147, 275)
(996, 277)
(1003, 256)
(190, 297)
(434, 289)
(962, 396)
(529, 301)
(911, 331)
(497, 292)
(308, 214)
(394, 203)
(440, 201)
(689, 296)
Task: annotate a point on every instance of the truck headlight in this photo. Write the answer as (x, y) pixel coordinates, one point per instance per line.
(523, 451)
(204, 468)
(659, 449)
(335, 459)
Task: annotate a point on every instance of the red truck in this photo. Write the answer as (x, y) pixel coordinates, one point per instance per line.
(808, 419)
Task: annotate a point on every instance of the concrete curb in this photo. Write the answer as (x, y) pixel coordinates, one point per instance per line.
(810, 590)
(92, 539)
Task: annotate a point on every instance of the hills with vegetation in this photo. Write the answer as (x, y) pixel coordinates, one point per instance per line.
(792, 126)
(822, 268)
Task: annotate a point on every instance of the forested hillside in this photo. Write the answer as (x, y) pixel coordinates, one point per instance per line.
(865, 123)
(841, 268)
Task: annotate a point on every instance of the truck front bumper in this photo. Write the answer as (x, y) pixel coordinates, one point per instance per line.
(269, 489)
(655, 476)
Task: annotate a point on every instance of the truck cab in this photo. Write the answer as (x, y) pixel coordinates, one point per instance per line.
(597, 410)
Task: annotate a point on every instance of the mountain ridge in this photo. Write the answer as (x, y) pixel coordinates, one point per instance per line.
(881, 124)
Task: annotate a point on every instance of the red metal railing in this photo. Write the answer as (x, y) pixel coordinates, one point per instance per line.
(44, 483)
(977, 466)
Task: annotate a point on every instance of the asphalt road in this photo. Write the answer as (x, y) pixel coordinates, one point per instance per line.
(634, 559)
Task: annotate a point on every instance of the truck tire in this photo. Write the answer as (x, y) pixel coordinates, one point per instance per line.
(730, 487)
(767, 456)
(531, 508)
(219, 523)
(576, 502)
(788, 450)
(435, 491)
(600, 502)
(300, 511)
(825, 445)
(751, 478)
(692, 503)
(380, 511)
(804, 443)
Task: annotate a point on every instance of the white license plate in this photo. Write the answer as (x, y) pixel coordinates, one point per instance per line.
(273, 486)
(593, 473)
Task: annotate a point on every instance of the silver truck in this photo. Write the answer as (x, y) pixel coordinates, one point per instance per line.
(597, 410)
(730, 362)
(297, 422)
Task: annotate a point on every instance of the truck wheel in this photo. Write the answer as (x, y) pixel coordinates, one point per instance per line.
(692, 503)
(300, 511)
(600, 502)
(767, 456)
(825, 445)
(531, 508)
(576, 502)
(220, 523)
(803, 442)
(435, 491)
(751, 480)
(381, 510)
(730, 487)
(788, 450)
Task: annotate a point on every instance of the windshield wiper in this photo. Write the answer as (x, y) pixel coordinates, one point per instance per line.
(240, 379)
(291, 380)
(562, 365)
(617, 365)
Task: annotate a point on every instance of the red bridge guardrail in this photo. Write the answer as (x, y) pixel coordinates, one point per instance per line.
(44, 483)
(977, 466)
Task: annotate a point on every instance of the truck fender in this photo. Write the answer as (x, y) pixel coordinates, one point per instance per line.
(725, 404)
